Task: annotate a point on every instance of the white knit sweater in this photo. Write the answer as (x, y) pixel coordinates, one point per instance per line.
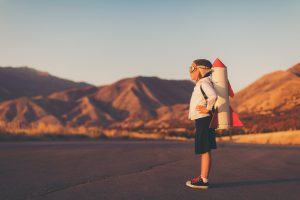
(197, 98)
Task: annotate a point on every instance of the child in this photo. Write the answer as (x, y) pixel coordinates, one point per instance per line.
(201, 104)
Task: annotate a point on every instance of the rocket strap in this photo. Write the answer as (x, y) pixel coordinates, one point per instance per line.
(203, 93)
(205, 97)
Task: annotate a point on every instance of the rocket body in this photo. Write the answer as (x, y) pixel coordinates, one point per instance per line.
(220, 81)
(224, 117)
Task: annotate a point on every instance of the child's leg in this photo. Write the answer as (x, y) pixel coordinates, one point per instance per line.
(205, 164)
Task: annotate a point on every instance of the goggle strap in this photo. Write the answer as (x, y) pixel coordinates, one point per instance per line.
(203, 67)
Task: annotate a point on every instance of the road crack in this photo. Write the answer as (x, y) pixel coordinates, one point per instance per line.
(98, 179)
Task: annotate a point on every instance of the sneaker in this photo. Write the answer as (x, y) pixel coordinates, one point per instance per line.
(197, 183)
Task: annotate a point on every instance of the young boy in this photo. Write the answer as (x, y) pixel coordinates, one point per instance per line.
(202, 100)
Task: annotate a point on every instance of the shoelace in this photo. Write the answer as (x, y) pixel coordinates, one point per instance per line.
(194, 180)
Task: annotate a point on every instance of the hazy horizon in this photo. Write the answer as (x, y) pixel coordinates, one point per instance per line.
(235, 90)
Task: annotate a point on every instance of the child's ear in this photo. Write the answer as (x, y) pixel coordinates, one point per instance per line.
(199, 74)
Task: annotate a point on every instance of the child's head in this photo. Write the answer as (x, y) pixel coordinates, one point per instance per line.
(199, 68)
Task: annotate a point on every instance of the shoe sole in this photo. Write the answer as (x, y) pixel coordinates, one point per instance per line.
(188, 183)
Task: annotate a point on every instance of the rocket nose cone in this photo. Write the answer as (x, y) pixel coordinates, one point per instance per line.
(218, 63)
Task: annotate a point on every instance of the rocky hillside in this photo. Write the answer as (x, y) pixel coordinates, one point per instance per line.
(271, 102)
(24, 81)
(138, 102)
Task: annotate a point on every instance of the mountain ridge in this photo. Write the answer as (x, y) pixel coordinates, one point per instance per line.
(25, 81)
(143, 102)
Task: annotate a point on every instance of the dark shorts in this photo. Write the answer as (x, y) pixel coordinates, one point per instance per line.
(205, 137)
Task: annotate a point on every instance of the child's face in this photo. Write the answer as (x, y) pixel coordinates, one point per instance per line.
(194, 75)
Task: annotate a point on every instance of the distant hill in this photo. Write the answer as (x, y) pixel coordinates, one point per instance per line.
(24, 81)
(295, 69)
(277, 91)
(142, 99)
(144, 102)
(271, 102)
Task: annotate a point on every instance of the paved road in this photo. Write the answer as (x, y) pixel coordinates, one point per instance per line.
(144, 170)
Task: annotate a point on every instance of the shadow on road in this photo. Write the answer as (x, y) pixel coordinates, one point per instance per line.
(250, 183)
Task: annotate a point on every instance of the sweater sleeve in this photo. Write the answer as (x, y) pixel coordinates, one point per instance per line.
(211, 94)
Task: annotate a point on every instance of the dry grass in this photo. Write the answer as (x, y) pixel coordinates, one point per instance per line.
(283, 137)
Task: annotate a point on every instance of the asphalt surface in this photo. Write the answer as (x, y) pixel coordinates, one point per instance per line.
(145, 170)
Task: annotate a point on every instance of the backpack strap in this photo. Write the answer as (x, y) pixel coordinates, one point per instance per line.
(205, 97)
(203, 93)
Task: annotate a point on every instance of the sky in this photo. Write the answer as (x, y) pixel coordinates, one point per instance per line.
(103, 41)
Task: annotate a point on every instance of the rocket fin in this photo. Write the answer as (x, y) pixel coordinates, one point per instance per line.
(214, 121)
(230, 91)
(235, 120)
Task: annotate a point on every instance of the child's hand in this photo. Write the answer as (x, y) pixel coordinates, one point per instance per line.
(202, 109)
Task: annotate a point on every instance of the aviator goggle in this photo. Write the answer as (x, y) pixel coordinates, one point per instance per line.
(194, 67)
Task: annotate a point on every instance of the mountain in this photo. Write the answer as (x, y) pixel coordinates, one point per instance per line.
(295, 69)
(23, 113)
(147, 102)
(271, 102)
(277, 91)
(140, 97)
(24, 81)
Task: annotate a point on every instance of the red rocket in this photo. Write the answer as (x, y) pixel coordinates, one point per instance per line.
(224, 117)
